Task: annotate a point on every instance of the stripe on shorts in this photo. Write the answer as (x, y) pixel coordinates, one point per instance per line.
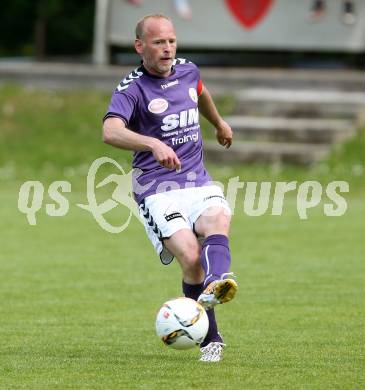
(151, 222)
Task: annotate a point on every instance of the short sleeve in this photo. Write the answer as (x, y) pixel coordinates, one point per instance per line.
(199, 82)
(122, 105)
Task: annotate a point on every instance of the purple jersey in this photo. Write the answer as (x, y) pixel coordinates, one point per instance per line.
(167, 109)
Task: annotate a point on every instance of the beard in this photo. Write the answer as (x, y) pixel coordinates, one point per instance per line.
(157, 66)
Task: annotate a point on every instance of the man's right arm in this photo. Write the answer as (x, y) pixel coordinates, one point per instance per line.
(116, 134)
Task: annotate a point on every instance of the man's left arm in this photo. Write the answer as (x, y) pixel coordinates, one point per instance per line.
(208, 109)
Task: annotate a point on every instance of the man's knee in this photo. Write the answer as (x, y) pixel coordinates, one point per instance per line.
(190, 263)
(213, 221)
(186, 248)
(190, 256)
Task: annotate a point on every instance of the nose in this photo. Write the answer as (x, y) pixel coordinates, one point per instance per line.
(167, 47)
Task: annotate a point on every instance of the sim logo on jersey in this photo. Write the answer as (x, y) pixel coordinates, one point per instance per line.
(184, 118)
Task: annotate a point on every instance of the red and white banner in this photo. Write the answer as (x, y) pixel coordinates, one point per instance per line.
(243, 24)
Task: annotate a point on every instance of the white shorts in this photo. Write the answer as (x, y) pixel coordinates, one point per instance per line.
(165, 213)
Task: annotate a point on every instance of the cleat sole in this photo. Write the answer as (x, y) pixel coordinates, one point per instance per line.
(225, 290)
(221, 291)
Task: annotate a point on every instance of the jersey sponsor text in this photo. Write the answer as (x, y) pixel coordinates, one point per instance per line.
(185, 118)
(186, 138)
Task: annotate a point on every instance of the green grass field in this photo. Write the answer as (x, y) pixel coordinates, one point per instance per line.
(78, 304)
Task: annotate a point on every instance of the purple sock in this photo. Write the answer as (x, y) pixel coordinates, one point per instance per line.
(193, 291)
(216, 257)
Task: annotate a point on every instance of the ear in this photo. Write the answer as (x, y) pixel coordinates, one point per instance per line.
(138, 46)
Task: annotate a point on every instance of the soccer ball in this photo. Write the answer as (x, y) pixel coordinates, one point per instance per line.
(182, 323)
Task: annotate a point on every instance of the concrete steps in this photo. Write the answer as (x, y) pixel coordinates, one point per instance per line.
(300, 130)
(219, 80)
(228, 80)
(300, 103)
(298, 126)
(286, 115)
(265, 152)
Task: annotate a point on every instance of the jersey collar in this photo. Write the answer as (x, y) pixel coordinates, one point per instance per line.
(145, 71)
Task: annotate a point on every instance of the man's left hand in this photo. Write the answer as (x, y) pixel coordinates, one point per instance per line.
(224, 134)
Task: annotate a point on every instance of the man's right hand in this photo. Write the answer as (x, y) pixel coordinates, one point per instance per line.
(165, 156)
(115, 133)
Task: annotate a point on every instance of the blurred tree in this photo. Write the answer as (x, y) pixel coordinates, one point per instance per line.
(16, 29)
(46, 13)
(46, 27)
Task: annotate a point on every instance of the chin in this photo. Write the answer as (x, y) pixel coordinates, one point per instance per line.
(164, 69)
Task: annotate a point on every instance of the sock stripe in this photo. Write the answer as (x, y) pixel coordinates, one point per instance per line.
(207, 278)
(215, 257)
(207, 259)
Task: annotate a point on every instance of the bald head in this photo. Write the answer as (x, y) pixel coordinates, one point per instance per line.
(144, 23)
(156, 43)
